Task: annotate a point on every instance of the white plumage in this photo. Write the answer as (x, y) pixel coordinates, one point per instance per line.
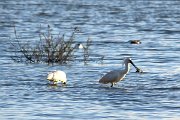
(117, 75)
(57, 76)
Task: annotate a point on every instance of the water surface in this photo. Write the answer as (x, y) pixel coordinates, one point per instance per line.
(25, 93)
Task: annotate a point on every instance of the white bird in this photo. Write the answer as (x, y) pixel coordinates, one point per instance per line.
(80, 46)
(117, 75)
(57, 76)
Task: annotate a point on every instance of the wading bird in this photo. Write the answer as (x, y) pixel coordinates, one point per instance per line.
(117, 75)
(57, 76)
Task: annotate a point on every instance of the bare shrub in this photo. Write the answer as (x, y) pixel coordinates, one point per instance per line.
(48, 49)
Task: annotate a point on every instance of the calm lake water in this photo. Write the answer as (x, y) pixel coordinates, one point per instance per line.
(26, 95)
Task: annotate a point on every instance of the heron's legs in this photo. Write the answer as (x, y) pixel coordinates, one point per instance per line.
(112, 84)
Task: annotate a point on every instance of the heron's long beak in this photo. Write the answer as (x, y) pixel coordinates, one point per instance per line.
(137, 69)
(133, 64)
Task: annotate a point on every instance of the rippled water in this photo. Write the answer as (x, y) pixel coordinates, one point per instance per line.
(155, 94)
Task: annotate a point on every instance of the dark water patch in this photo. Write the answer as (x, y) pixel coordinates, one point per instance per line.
(6, 84)
(168, 89)
(108, 42)
(168, 32)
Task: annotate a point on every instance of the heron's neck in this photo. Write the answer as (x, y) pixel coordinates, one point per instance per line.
(127, 68)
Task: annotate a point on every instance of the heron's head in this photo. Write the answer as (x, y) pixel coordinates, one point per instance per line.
(128, 60)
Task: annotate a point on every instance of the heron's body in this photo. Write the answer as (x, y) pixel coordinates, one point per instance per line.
(117, 75)
(57, 76)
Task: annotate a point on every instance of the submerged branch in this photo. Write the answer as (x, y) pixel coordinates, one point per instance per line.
(48, 49)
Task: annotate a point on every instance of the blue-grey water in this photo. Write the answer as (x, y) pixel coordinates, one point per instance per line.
(26, 95)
